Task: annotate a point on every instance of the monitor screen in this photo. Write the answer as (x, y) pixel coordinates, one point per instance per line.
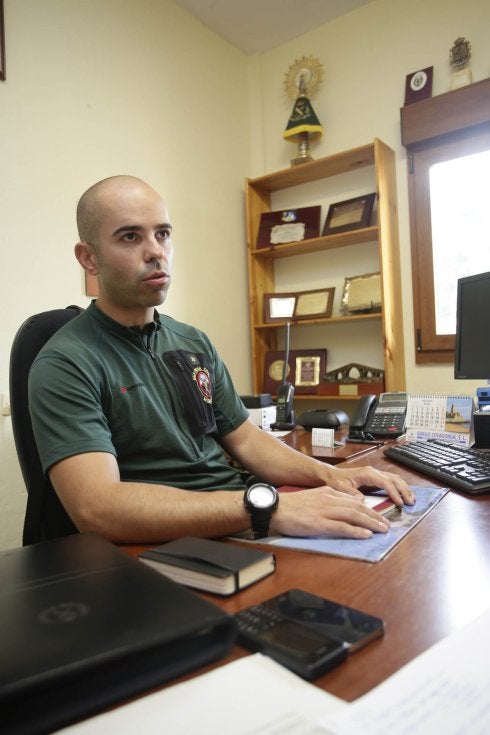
(472, 353)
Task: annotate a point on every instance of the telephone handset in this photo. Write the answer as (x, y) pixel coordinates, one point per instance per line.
(380, 417)
(359, 420)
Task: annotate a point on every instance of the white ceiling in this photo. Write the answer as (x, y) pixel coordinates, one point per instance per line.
(256, 26)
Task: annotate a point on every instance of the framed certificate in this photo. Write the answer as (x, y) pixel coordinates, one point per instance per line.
(308, 371)
(279, 307)
(353, 214)
(316, 303)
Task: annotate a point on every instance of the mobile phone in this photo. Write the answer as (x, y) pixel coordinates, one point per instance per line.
(353, 627)
(348, 627)
(296, 646)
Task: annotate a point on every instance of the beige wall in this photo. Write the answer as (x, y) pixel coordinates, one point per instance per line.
(109, 86)
(98, 87)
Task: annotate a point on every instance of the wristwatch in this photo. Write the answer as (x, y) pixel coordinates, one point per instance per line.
(261, 501)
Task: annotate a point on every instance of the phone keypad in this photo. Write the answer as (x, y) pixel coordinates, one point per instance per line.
(257, 619)
(300, 648)
(388, 421)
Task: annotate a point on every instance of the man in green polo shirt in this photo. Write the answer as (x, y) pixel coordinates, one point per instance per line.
(133, 411)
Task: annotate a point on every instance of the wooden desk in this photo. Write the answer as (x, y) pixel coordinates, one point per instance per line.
(433, 583)
(300, 440)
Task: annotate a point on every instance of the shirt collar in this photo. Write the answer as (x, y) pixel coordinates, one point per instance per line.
(122, 329)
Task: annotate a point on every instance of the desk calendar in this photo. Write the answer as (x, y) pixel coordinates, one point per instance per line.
(437, 416)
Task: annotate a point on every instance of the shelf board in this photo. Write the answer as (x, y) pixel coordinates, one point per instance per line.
(321, 168)
(327, 242)
(321, 320)
(316, 397)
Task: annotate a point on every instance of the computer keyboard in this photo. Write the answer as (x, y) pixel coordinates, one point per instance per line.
(460, 467)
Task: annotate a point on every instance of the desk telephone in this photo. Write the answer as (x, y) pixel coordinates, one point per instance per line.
(379, 417)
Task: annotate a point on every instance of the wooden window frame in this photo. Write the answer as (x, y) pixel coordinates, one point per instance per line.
(447, 126)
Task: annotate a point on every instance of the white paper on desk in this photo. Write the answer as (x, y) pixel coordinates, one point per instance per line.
(251, 695)
(444, 690)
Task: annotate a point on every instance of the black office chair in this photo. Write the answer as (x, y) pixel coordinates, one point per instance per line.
(45, 516)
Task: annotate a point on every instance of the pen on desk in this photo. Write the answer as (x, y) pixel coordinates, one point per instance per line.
(366, 449)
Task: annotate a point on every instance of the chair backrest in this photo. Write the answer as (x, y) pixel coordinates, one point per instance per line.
(45, 516)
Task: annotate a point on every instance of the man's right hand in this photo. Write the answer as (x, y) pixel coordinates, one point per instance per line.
(323, 511)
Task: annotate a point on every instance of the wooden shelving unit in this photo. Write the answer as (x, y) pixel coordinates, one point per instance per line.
(381, 159)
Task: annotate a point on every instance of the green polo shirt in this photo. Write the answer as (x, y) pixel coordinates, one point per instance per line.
(158, 399)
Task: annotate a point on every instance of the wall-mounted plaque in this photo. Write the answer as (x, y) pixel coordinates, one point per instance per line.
(304, 370)
(288, 225)
(362, 294)
(353, 214)
(418, 85)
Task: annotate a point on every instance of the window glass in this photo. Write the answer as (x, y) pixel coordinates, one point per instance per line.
(459, 222)
(448, 143)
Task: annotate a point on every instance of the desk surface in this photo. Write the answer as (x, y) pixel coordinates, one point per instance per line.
(431, 584)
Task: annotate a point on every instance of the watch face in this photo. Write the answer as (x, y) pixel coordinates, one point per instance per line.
(261, 496)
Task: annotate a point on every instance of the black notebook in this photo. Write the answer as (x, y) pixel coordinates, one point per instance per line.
(83, 626)
(210, 565)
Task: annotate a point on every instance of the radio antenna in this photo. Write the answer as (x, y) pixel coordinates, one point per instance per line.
(286, 354)
(285, 420)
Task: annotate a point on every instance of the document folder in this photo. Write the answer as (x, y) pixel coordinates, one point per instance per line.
(84, 625)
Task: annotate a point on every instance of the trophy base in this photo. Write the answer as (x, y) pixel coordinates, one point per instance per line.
(300, 159)
(461, 78)
(303, 150)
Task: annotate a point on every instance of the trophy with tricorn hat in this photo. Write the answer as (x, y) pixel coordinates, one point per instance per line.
(301, 81)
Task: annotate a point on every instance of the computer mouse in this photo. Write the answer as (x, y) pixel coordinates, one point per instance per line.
(322, 418)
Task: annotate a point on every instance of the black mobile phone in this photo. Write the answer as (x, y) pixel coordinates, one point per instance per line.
(294, 645)
(296, 615)
(353, 627)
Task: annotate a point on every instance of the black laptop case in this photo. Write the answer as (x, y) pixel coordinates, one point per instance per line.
(83, 626)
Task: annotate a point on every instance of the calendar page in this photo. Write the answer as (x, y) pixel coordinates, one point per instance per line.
(437, 416)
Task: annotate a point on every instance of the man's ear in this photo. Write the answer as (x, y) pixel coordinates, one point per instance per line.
(86, 256)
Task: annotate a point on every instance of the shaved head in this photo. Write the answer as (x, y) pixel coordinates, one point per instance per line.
(126, 243)
(91, 207)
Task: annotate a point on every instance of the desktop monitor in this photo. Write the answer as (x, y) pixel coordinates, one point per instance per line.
(472, 353)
